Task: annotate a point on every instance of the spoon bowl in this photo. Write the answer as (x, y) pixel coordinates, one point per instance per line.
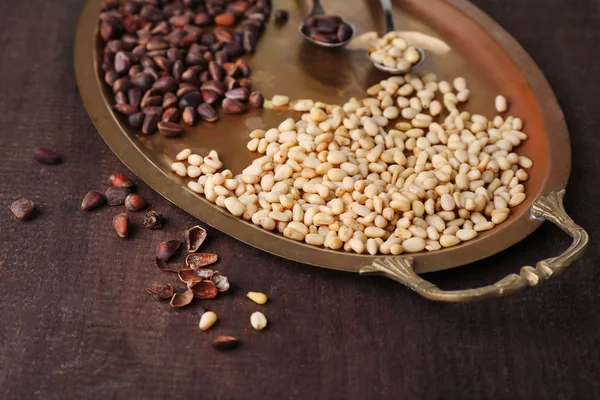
(397, 71)
(330, 45)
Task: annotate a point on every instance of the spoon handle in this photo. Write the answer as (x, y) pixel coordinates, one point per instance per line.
(317, 8)
(389, 20)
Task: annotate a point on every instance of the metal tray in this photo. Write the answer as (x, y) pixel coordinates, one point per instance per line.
(460, 40)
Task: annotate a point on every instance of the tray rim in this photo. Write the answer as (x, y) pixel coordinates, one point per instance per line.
(90, 88)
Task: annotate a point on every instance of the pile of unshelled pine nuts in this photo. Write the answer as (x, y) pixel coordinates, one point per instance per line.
(393, 51)
(342, 177)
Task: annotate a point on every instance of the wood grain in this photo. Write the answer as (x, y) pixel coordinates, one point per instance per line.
(77, 323)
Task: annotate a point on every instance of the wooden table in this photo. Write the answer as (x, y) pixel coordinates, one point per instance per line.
(77, 323)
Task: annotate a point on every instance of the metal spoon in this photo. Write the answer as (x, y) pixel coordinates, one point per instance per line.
(389, 27)
(319, 10)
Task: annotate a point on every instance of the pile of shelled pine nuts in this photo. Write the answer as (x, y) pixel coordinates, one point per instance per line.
(342, 177)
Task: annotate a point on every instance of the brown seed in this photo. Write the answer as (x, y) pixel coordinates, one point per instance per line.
(166, 250)
(177, 69)
(231, 106)
(231, 69)
(162, 292)
(281, 16)
(170, 115)
(243, 67)
(214, 86)
(207, 112)
(142, 80)
(239, 94)
(169, 129)
(115, 196)
(122, 62)
(150, 124)
(125, 109)
(204, 290)
(169, 100)
(190, 99)
(222, 35)
(221, 282)
(93, 199)
(202, 19)
(189, 116)
(194, 237)
(185, 88)
(135, 202)
(182, 299)
(216, 71)
(250, 38)
(134, 96)
(150, 100)
(136, 120)
(257, 100)
(122, 85)
(230, 82)
(120, 180)
(344, 32)
(153, 220)
(225, 19)
(327, 23)
(199, 260)
(225, 342)
(245, 83)
(153, 109)
(121, 98)
(110, 28)
(221, 57)
(194, 276)
(121, 225)
(110, 77)
(190, 75)
(23, 209)
(209, 96)
(165, 84)
(194, 59)
(136, 69)
(46, 156)
(157, 43)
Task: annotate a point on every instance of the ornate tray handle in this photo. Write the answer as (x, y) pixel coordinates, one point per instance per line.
(549, 207)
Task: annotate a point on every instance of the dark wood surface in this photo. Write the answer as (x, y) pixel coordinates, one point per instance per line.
(76, 321)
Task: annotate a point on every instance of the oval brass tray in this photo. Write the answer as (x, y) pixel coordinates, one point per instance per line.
(462, 40)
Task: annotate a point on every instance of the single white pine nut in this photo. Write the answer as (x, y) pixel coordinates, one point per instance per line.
(258, 321)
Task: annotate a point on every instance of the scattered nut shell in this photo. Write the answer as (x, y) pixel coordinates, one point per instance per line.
(221, 282)
(23, 209)
(166, 250)
(161, 291)
(258, 321)
(257, 297)
(153, 220)
(204, 290)
(182, 299)
(199, 260)
(195, 275)
(194, 237)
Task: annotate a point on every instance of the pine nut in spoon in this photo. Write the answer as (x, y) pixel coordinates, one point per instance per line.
(392, 53)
